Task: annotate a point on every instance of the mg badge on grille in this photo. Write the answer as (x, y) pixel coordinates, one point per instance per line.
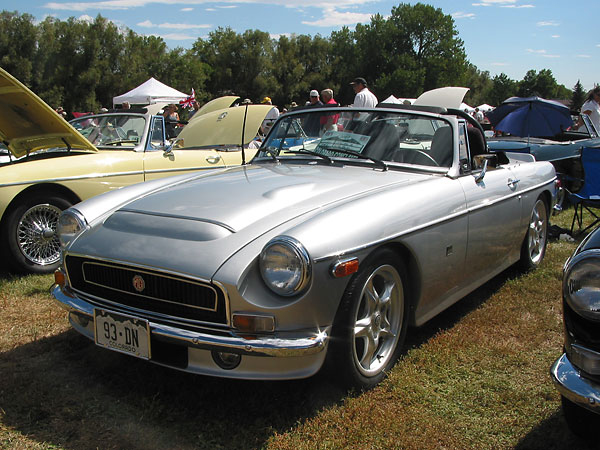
(138, 283)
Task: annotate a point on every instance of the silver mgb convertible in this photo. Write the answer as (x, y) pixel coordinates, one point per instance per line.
(349, 226)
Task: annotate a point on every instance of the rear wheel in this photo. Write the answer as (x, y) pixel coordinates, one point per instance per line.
(371, 324)
(534, 245)
(29, 234)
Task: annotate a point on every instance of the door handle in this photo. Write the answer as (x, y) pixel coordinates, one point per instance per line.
(213, 159)
(512, 182)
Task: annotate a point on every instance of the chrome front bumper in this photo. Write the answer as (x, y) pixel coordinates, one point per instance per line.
(569, 382)
(269, 346)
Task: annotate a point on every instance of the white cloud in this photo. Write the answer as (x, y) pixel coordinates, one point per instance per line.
(210, 9)
(186, 9)
(463, 15)
(86, 18)
(583, 56)
(494, 2)
(548, 23)
(539, 52)
(499, 64)
(277, 36)
(555, 36)
(334, 18)
(503, 4)
(128, 4)
(173, 26)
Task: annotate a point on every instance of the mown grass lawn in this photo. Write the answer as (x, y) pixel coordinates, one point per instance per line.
(476, 377)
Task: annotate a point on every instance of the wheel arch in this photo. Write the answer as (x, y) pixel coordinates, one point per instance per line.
(41, 188)
(413, 288)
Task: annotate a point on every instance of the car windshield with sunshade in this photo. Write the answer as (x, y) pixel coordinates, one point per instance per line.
(386, 136)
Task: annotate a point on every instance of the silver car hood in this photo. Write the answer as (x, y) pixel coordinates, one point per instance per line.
(195, 225)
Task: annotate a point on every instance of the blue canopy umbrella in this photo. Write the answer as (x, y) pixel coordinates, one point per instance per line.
(530, 117)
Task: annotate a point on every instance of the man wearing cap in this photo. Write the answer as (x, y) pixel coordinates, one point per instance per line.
(314, 98)
(270, 118)
(311, 124)
(364, 97)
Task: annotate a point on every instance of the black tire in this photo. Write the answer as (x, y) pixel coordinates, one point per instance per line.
(534, 245)
(29, 233)
(370, 325)
(582, 422)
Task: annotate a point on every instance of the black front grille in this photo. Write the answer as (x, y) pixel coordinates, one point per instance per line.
(147, 290)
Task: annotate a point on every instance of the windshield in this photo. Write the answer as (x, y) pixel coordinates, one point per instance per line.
(403, 137)
(111, 129)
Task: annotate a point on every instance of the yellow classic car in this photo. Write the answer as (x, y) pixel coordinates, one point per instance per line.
(53, 164)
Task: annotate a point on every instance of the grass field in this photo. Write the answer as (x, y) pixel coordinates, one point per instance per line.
(476, 377)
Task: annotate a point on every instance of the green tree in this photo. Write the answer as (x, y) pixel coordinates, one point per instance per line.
(18, 39)
(578, 97)
(542, 84)
(502, 88)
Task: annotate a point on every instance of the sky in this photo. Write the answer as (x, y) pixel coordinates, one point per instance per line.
(500, 36)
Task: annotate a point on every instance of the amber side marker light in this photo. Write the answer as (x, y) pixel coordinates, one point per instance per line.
(345, 268)
(59, 278)
(249, 323)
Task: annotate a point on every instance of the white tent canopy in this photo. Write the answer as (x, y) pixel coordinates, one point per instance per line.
(151, 91)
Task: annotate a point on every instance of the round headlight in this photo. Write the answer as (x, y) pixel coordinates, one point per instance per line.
(581, 284)
(70, 224)
(285, 266)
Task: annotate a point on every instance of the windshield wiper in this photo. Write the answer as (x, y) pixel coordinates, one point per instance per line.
(119, 142)
(310, 152)
(379, 162)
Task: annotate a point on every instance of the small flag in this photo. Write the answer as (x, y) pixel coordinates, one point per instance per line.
(189, 101)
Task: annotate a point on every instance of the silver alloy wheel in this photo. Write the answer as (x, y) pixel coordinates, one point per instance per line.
(378, 321)
(36, 234)
(538, 232)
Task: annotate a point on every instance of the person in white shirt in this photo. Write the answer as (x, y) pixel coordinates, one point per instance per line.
(271, 116)
(364, 97)
(592, 108)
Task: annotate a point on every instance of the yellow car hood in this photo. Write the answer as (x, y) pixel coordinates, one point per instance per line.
(28, 124)
(224, 127)
(216, 104)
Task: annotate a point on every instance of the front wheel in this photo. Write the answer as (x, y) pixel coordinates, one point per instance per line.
(533, 248)
(371, 323)
(29, 234)
(582, 422)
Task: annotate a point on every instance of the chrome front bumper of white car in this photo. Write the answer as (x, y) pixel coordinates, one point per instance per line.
(573, 386)
(262, 356)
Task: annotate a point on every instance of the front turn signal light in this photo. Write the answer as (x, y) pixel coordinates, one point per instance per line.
(345, 267)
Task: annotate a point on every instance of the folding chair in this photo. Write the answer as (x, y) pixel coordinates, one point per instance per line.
(589, 195)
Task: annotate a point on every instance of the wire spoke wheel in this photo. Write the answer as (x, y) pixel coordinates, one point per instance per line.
(379, 320)
(36, 234)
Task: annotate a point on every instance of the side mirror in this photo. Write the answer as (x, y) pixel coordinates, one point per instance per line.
(176, 143)
(484, 162)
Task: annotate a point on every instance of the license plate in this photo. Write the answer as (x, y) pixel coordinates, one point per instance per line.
(121, 333)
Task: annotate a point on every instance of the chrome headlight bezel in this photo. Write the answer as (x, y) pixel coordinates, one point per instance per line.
(581, 284)
(285, 266)
(71, 223)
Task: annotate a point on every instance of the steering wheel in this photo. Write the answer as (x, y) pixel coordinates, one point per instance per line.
(414, 151)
